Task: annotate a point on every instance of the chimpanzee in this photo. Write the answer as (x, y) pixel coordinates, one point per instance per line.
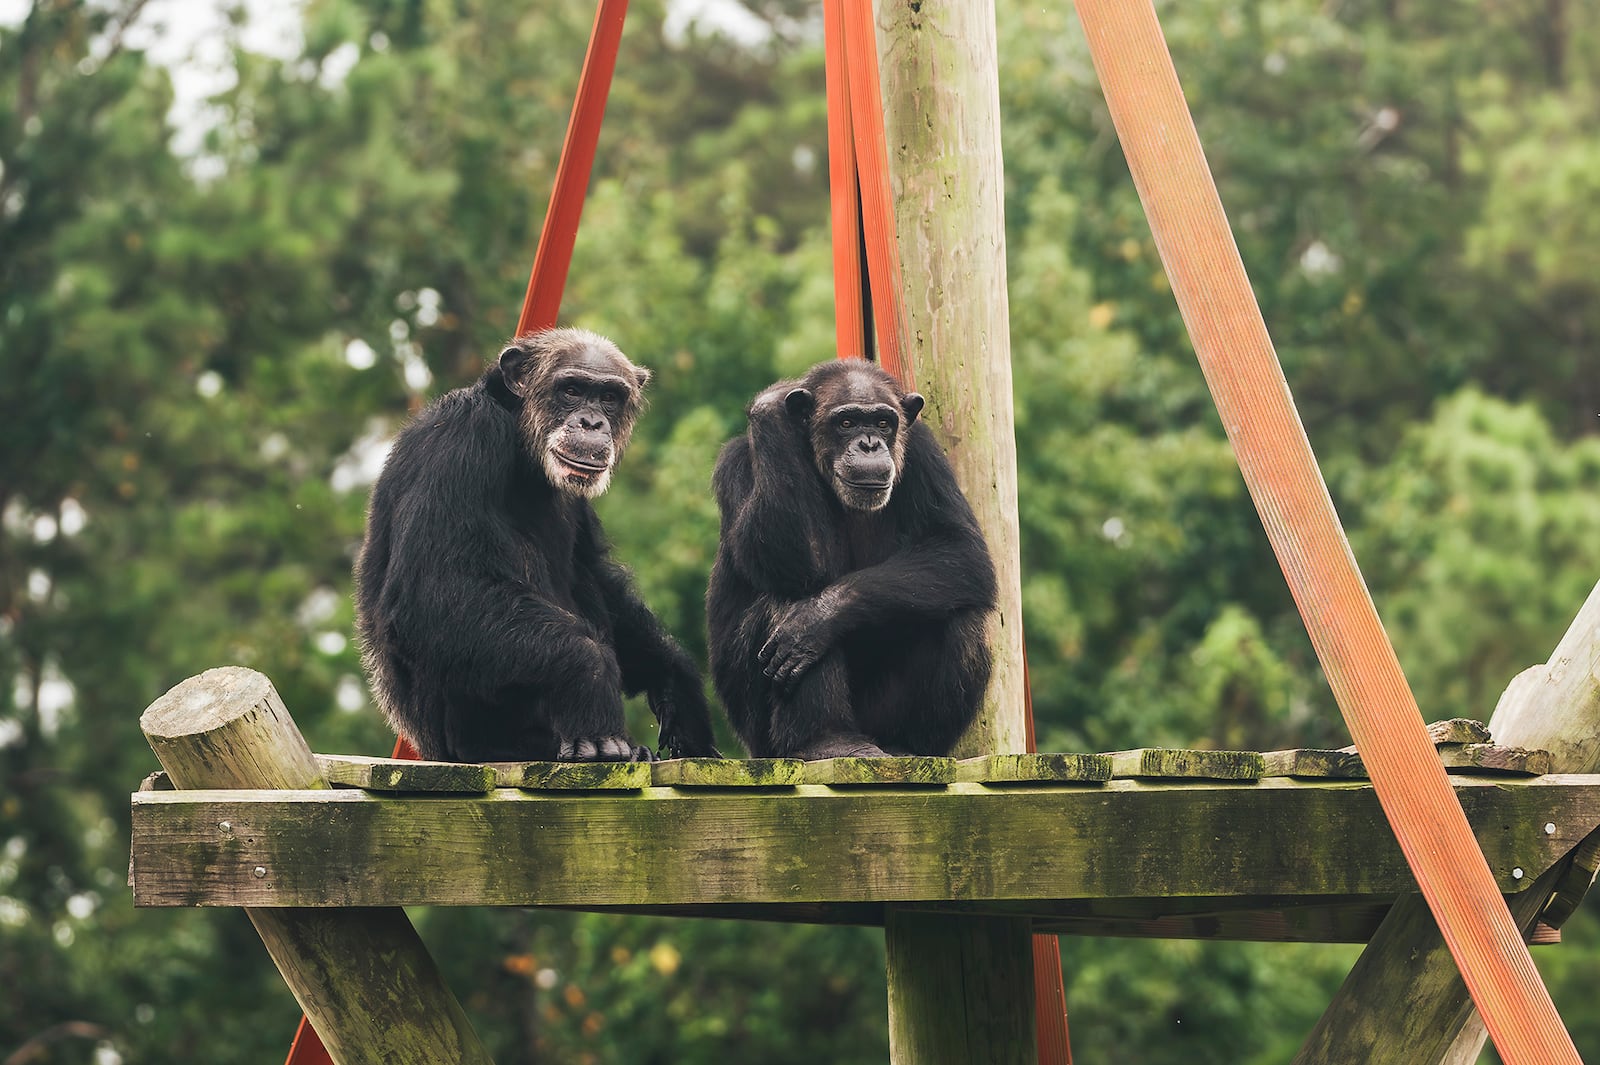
(851, 590)
(494, 625)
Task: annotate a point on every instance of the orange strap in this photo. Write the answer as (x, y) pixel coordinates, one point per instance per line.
(1241, 368)
(549, 278)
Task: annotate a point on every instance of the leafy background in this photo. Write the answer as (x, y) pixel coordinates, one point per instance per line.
(207, 334)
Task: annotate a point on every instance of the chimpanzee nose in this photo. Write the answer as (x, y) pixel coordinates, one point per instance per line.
(869, 444)
(590, 423)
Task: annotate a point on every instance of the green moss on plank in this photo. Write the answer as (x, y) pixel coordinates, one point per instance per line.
(573, 776)
(1311, 763)
(728, 772)
(1200, 765)
(1051, 768)
(390, 774)
(844, 772)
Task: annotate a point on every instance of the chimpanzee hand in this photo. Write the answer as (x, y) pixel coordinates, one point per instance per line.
(803, 634)
(603, 749)
(680, 709)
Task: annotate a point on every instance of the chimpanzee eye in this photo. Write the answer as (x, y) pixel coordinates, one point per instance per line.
(883, 423)
(609, 397)
(571, 392)
(847, 423)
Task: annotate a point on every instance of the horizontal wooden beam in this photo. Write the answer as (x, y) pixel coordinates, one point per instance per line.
(814, 844)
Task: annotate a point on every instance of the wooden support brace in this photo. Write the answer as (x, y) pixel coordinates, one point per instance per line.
(960, 990)
(362, 976)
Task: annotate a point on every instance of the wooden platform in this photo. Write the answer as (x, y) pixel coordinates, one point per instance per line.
(1174, 844)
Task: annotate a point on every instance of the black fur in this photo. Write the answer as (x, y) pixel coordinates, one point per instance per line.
(493, 622)
(842, 623)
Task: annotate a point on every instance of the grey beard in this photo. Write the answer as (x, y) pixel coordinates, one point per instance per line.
(555, 473)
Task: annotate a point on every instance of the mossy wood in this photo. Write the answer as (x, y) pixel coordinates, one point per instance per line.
(670, 846)
(1457, 758)
(729, 773)
(1034, 769)
(574, 776)
(363, 977)
(1553, 707)
(390, 774)
(952, 990)
(845, 772)
(1177, 764)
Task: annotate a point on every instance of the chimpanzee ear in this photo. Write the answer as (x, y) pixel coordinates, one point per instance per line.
(642, 376)
(515, 362)
(911, 403)
(800, 402)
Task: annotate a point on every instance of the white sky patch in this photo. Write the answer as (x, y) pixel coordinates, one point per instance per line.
(727, 17)
(331, 643)
(209, 384)
(317, 607)
(39, 585)
(274, 446)
(360, 466)
(73, 517)
(44, 529)
(1318, 260)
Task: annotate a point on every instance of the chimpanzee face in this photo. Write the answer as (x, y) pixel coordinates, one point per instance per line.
(857, 418)
(580, 396)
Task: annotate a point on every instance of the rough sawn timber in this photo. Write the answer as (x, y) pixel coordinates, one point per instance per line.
(680, 846)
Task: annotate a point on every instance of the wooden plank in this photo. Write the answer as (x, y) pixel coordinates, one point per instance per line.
(1313, 764)
(573, 776)
(394, 775)
(1346, 764)
(363, 977)
(1570, 890)
(344, 847)
(1493, 758)
(854, 772)
(1055, 768)
(728, 772)
(953, 990)
(1161, 763)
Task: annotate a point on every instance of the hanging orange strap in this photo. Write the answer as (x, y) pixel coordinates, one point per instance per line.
(1208, 278)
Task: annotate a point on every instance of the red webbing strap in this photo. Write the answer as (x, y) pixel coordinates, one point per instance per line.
(849, 320)
(549, 277)
(859, 44)
(1049, 987)
(1224, 322)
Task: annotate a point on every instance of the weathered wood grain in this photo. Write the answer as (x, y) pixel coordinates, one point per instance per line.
(1313, 764)
(668, 846)
(848, 772)
(1161, 763)
(363, 977)
(391, 774)
(1493, 758)
(728, 772)
(1034, 769)
(573, 776)
(1579, 878)
(952, 990)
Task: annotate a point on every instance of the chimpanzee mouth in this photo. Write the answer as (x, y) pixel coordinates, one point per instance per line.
(868, 486)
(580, 467)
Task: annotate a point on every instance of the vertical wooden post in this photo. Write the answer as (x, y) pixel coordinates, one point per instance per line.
(1404, 1001)
(960, 989)
(941, 95)
(362, 976)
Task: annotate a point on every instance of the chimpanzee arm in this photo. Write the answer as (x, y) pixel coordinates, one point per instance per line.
(775, 518)
(650, 660)
(942, 568)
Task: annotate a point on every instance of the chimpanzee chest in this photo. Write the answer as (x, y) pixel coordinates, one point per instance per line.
(869, 538)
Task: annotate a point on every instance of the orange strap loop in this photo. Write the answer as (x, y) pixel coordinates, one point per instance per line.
(1224, 322)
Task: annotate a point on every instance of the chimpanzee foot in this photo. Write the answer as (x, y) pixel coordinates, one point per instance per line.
(603, 749)
(840, 746)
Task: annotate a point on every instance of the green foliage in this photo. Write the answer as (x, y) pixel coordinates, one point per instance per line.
(201, 358)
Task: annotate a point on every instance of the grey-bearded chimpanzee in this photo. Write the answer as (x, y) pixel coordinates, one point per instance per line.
(849, 599)
(493, 623)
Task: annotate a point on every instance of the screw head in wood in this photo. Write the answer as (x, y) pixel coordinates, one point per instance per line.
(1516, 874)
(261, 872)
(1549, 828)
(225, 827)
